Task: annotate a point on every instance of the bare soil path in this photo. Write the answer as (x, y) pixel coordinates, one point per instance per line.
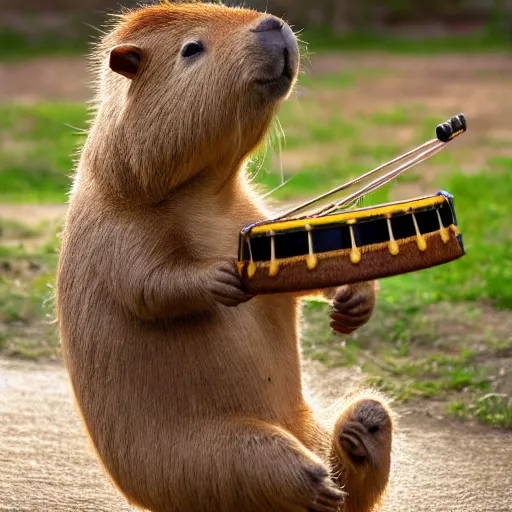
(45, 79)
(46, 464)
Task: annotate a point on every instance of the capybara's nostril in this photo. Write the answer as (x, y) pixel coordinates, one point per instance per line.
(269, 24)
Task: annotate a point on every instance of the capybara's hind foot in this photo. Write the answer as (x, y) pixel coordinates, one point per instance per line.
(365, 434)
(361, 451)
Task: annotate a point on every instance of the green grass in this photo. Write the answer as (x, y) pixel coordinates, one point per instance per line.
(397, 116)
(36, 150)
(302, 126)
(343, 80)
(439, 372)
(484, 212)
(42, 43)
(492, 409)
(324, 40)
(26, 292)
(340, 80)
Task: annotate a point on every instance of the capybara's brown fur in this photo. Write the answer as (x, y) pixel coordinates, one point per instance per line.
(191, 390)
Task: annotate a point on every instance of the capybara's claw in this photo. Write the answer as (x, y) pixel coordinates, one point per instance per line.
(328, 498)
(226, 285)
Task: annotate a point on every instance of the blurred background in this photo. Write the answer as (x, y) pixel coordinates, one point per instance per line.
(378, 76)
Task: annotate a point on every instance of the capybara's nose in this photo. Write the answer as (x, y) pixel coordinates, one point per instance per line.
(269, 24)
(279, 45)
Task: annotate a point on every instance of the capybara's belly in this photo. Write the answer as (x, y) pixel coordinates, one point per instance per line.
(241, 361)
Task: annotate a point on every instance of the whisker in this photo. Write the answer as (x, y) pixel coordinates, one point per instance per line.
(79, 130)
(262, 155)
(279, 187)
(280, 137)
(97, 29)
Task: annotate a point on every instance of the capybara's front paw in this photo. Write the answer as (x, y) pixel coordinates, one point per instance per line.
(225, 285)
(364, 433)
(353, 306)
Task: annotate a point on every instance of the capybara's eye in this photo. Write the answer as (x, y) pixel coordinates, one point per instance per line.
(192, 48)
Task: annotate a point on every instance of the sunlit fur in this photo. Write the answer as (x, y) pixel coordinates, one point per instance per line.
(190, 405)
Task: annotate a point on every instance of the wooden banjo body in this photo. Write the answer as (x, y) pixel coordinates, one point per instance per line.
(358, 245)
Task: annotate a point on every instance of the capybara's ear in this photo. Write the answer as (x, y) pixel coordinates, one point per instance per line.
(125, 59)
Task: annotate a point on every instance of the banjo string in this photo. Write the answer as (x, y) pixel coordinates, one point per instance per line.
(434, 143)
(383, 180)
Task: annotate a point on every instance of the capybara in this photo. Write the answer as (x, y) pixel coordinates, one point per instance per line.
(189, 388)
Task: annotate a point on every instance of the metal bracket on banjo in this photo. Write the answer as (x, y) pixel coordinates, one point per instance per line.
(378, 240)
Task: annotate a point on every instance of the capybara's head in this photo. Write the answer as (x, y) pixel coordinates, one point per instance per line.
(190, 88)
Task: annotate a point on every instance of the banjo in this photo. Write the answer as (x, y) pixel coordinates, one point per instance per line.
(337, 243)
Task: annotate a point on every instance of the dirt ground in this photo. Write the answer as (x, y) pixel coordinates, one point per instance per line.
(46, 464)
(57, 79)
(439, 466)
